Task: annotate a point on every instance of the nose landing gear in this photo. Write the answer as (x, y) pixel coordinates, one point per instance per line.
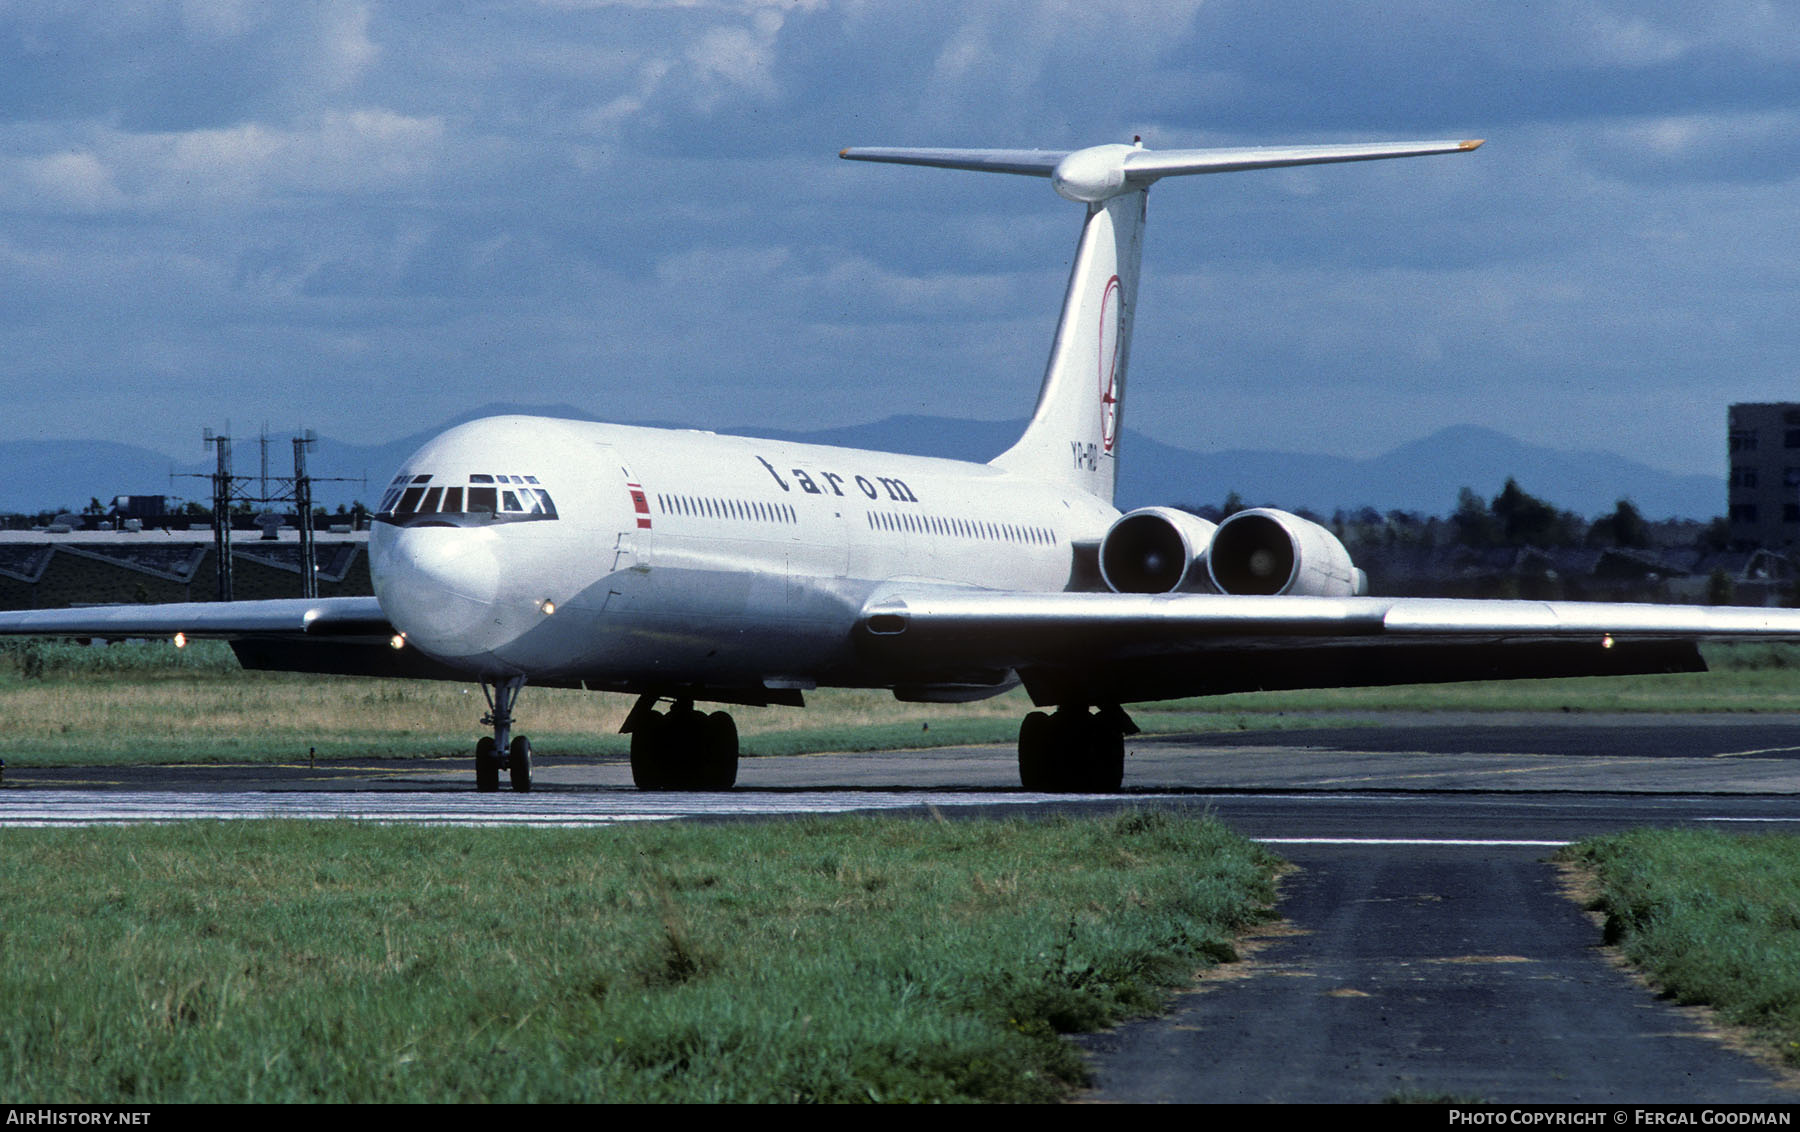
(503, 750)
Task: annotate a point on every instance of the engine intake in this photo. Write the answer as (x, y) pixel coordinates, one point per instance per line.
(1156, 550)
(1265, 551)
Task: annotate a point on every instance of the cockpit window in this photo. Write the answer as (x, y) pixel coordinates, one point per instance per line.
(463, 501)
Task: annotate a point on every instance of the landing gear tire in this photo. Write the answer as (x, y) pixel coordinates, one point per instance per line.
(1105, 771)
(684, 749)
(1036, 753)
(718, 753)
(487, 767)
(518, 765)
(646, 742)
(1072, 752)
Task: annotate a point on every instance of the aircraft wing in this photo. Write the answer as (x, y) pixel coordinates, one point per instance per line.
(1122, 648)
(342, 635)
(317, 617)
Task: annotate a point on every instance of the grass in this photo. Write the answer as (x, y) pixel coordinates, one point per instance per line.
(1709, 918)
(845, 959)
(148, 702)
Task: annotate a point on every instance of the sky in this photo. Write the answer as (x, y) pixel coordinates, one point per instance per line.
(365, 218)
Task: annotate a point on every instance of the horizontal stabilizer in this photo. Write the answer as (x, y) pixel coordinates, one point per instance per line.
(1030, 162)
(1145, 165)
(1103, 171)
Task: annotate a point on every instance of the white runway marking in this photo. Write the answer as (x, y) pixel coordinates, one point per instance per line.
(110, 807)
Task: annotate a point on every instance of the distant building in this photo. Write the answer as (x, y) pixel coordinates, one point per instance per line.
(1764, 493)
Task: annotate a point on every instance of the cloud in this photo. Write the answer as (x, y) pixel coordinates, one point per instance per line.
(68, 182)
(168, 65)
(1761, 145)
(249, 165)
(571, 191)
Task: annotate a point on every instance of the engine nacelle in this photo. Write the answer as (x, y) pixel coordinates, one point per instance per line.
(1265, 551)
(1156, 550)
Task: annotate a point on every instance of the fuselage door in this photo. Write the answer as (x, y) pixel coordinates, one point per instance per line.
(628, 515)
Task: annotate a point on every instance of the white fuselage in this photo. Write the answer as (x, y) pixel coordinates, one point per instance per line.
(662, 558)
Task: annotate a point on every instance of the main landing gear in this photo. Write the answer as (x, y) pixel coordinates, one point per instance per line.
(504, 750)
(681, 749)
(1074, 751)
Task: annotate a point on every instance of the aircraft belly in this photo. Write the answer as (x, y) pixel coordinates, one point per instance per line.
(687, 626)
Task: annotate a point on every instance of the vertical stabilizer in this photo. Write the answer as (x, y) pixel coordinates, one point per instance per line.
(1073, 438)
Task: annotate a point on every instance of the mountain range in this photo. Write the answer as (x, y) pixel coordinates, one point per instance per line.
(1423, 475)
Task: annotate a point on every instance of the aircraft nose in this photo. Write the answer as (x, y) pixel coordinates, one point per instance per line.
(439, 586)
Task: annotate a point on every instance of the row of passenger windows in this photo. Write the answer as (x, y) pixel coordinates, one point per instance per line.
(750, 511)
(961, 528)
(482, 495)
(701, 507)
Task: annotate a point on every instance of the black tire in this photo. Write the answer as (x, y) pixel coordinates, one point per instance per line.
(487, 767)
(648, 752)
(682, 763)
(1037, 746)
(1106, 770)
(718, 752)
(518, 764)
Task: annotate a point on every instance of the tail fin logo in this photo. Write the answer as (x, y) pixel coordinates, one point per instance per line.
(1109, 343)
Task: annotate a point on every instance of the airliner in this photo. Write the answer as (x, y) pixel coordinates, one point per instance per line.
(686, 568)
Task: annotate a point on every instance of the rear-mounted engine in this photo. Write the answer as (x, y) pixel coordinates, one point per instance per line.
(1156, 550)
(1265, 551)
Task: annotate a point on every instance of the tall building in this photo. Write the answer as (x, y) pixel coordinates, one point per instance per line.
(1764, 492)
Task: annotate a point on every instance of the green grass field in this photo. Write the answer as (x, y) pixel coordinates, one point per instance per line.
(1709, 918)
(68, 704)
(817, 960)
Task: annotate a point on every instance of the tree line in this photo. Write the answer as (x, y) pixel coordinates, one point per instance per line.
(1512, 518)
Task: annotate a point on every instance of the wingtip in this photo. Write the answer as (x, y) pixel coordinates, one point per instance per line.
(1473, 143)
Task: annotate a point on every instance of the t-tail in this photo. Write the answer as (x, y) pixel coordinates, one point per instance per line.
(1073, 438)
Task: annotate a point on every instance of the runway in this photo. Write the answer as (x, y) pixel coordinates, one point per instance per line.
(1537, 779)
(1427, 949)
(47, 808)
